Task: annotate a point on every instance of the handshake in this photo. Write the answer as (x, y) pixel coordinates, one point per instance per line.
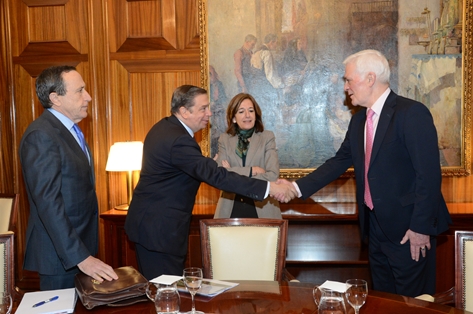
(283, 190)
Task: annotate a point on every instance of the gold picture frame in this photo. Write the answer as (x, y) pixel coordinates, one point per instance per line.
(411, 32)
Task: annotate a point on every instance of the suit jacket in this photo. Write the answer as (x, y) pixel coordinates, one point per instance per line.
(173, 167)
(262, 153)
(404, 173)
(63, 224)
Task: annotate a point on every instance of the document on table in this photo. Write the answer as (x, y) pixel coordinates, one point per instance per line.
(64, 303)
(209, 288)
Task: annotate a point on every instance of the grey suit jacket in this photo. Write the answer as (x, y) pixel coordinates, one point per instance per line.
(262, 153)
(63, 223)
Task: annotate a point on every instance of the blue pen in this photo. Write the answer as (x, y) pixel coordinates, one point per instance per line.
(46, 301)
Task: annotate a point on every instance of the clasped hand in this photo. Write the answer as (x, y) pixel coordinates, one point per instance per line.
(282, 190)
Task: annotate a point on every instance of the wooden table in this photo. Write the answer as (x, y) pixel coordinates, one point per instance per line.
(274, 297)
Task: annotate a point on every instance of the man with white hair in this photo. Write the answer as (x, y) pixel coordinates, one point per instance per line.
(393, 147)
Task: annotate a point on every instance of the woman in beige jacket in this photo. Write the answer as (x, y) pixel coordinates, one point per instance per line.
(247, 149)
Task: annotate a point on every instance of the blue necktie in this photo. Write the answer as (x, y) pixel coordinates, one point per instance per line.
(80, 135)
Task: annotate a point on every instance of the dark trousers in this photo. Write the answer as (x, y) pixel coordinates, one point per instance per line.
(392, 268)
(152, 264)
(54, 282)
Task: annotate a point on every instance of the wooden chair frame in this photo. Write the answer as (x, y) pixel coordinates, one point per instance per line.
(205, 224)
(461, 237)
(7, 251)
(14, 210)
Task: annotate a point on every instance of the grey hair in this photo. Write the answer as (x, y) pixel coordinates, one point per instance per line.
(371, 61)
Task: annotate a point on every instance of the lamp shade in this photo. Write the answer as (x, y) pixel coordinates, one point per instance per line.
(125, 156)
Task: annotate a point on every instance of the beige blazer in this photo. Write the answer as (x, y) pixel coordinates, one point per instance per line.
(262, 153)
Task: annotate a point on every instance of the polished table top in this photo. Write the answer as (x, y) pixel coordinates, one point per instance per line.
(274, 297)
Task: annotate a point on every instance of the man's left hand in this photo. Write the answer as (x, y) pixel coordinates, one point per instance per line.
(420, 243)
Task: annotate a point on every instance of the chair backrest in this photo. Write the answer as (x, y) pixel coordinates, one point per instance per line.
(243, 248)
(7, 270)
(8, 212)
(464, 270)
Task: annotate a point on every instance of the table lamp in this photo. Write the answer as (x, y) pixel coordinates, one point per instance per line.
(125, 156)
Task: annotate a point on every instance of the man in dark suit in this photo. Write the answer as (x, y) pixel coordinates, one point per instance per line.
(173, 167)
(62, 233)
(401, 208)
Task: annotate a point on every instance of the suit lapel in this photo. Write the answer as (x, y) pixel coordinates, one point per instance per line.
(255, 142)
(383, 123)
(69, 139)
(233, 142)
(361, 135)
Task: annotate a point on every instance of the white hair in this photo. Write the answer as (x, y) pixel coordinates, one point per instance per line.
(370, 61)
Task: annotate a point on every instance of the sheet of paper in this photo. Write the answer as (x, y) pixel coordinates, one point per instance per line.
(210, 287)
(166, 279)
(335, 285)
(65, 303)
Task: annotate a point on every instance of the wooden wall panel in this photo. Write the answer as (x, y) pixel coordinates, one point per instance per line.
(40, 31)
(142, 25)
(188, 33)
(98, 85)
(49, 27)
(18, 30)
(143, 19)
(8, 160)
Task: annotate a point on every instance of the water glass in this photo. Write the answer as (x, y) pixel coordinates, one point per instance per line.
(357, 291)
(317, 294)
(193, 280)
(165, 297)
(6, 303)
(331, 302)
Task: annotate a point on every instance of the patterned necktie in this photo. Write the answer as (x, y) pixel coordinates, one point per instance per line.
(80, 135)
(368, 149)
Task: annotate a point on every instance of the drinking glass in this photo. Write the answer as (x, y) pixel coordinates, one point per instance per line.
(331, 302)
(317, 294)
(165, 297)
(5, 303)
(193, 281)
(357, 291)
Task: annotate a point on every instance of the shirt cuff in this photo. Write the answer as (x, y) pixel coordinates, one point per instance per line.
(299, 194)
(267, 190)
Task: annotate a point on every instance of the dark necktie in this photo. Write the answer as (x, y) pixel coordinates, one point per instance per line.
(368, 149)
(80, 135)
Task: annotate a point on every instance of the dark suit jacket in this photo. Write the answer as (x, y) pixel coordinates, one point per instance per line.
(173, 168)
(63, 223)
(404, 173)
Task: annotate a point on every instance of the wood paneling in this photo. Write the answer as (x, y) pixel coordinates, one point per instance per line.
(142, 25)
(131, 54)
(49, 27)
(47, 31)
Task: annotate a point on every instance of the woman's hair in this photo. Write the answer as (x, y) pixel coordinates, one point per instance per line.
(232, 110)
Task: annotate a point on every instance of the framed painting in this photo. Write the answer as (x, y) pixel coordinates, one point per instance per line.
(299, 87)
